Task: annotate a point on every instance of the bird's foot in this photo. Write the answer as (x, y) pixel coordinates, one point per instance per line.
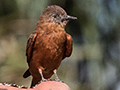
(49, 79)
(58, 80)
(43, 80)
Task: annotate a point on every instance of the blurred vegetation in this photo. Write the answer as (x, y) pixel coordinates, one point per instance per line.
(95, 61)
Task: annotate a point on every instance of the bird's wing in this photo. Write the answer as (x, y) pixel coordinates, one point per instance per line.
(68, 50)
(30, 44)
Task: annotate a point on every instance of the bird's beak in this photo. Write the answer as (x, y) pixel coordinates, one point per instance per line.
(68, 18)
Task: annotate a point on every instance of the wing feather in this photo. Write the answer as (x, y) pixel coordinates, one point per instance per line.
(68, 45)
(30, 44)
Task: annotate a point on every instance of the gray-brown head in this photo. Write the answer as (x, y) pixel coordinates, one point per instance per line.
(55, 15)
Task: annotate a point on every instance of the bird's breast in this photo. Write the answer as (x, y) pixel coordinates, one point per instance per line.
(49, 49)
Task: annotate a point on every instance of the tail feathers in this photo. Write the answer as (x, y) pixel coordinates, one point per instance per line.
(35, 81)
(26, 74)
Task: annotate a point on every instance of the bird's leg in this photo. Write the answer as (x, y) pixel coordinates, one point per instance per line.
(43, 79)
(57, 79)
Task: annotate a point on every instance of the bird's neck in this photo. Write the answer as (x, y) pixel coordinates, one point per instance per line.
(50, 26)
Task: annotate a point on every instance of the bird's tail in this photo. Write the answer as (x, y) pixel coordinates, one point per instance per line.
(26, 74)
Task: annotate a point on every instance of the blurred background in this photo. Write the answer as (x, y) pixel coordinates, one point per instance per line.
(95, 61)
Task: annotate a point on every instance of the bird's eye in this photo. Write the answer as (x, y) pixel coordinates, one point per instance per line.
(54, 15)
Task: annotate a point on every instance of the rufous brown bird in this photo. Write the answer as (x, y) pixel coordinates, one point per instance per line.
(48, 45)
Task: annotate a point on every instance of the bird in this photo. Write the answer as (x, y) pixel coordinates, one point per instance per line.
(48, 45)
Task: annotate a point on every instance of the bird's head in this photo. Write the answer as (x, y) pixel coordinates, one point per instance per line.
(55, 15)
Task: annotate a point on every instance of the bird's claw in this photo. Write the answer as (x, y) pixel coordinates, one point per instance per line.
(58, 80)
(43, 80)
